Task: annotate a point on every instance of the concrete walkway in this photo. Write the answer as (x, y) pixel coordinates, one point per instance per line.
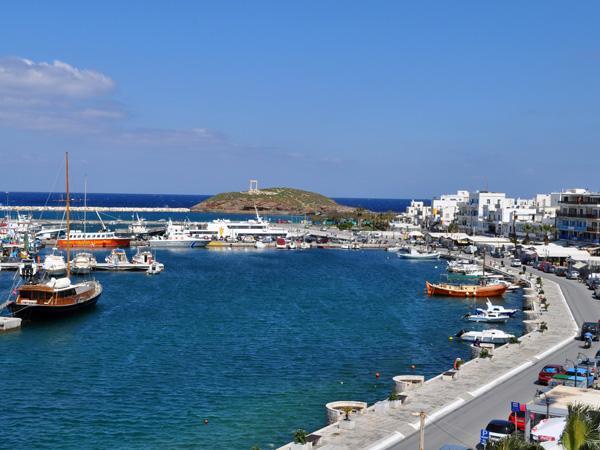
(382, 427)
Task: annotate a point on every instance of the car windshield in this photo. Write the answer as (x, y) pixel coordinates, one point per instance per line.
(498, 428)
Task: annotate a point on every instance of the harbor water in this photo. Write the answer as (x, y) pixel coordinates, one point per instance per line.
(254, 342)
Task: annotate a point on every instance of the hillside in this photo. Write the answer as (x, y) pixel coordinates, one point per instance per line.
(273, 201)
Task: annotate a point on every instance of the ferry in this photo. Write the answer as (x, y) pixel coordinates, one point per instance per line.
(98, 239)
(179, 236)
(234, 229)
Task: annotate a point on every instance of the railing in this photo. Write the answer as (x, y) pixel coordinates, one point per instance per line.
(577, 215)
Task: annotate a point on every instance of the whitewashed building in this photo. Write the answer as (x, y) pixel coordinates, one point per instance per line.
(445, 208)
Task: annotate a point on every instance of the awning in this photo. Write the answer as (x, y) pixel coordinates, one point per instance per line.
(579, 265)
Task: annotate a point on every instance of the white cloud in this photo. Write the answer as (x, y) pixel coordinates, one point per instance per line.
(19, 75)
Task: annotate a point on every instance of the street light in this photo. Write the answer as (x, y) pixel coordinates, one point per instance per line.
(541, 395)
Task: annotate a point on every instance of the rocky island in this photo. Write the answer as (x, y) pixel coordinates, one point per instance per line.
(277, 200)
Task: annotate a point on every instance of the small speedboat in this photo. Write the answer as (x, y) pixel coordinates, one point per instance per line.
(485, 336)
(487, 317)
(260, 244)
(83, 263)
(497, 309)
(304, 245)
(28, 268)
(117, 260)
(155, 268)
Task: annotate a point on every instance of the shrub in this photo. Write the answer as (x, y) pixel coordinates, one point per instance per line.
(300, 436)
(485, 353)
(393, 396)
(543, 327)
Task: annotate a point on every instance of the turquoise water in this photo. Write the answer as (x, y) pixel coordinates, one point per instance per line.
(255, 341)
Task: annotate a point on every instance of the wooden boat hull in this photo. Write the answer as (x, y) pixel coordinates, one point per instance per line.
(94, 243)
(450, 290)
(39, 312)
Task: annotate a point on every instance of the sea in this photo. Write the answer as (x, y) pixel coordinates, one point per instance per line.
(227, 349)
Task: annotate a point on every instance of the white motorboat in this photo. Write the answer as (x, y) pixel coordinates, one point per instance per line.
(259, 244)
(304, 245)
(291, 245)
(83, 263)
(54, 264)
(394, 249)
(415, 254)
(486, 336)
(155, 268)
(28, 268)
(487, 317)
(497, 309)
(117, 260)
(142, 256)
(178, 236)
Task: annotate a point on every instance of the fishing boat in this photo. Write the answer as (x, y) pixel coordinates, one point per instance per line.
(37, 300)
(83, 263)
(487, 317)
(155, 268)
(485, 336)
(497, 308)
(465, 290)
(259, 244)
(415, 254)
(54, 264)
(304, 245)
(281, 244)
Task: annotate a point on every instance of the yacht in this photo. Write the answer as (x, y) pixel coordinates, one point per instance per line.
(54, 264)
(238, 229)
(83, 263)
(178, 236)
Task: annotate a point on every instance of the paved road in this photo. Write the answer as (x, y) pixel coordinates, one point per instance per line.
(463, 425)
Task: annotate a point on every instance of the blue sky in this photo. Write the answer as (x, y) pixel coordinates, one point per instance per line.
(378, 99)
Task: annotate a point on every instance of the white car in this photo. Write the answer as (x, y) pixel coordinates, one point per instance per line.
(516, 263)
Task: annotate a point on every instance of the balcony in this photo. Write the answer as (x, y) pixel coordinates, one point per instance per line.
(577, 215)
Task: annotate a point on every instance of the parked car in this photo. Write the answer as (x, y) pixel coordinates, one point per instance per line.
(594, 283)
(516, 263)
(560, 271)
(549, 430)
(597, 292)
(546, 374)
(572, 275)
(592, 279)
(591, 327)
(597, 357)
(500, 429)
(545, 266)
(520, 418)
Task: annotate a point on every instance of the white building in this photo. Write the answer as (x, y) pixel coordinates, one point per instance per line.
(445, 208)
(416, 214)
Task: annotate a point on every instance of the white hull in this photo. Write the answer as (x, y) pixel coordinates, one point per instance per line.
(419, 256)
(487, 337)
(167, 243)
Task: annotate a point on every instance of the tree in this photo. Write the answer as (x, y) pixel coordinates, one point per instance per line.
(453, 227)
(527, 228)
(581, 431)
(546, 230)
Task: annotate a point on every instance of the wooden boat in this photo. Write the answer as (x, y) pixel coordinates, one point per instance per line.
(465, 290)
(56, 298)
(100, 239)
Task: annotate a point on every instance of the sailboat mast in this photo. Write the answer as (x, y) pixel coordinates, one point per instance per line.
(68, 215)
(84, 204)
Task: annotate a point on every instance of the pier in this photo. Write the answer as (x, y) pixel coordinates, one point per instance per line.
(457, 404)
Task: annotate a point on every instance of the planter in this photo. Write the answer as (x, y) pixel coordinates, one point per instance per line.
(408, 382)
(395, 404)
(335, 410)
(450, 375)
(306, 446)
(475, 351)
(346, 424)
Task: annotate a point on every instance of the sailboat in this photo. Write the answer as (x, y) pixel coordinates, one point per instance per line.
(37, 300)
(83, 262)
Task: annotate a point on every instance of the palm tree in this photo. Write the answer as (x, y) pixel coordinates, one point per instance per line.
(581, 431)
(546, 230)
(527, 228)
